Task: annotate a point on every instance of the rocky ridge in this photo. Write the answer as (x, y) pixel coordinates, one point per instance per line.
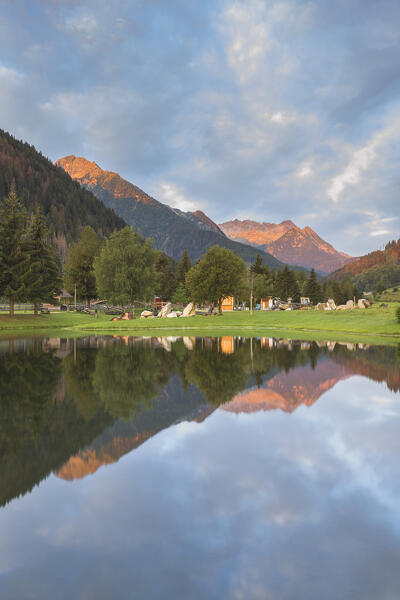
(289, 243)
(171, 229)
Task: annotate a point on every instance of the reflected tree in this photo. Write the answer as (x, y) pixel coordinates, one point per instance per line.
(126, 378)
(218, 376)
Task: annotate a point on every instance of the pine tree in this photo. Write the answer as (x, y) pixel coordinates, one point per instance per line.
(166, 283)
(347, 288)
(329, 292)
(279, 284)
(13, 257)
(43, 275)
(313, 289)
(180, 295)
(293, 287)
(257, 267)
(184, 267)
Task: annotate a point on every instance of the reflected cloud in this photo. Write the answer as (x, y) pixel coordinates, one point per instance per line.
(226, 462)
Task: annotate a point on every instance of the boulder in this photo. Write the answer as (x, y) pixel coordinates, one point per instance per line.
(165, 310)
(322, 306)
(189, 310)
(172, 315)
(166, 344)
(189, 342)
(146, 314)
(178, 313)
(350, 304)
(363, 303)
(128, 316)
(331, 303)
(342, 307)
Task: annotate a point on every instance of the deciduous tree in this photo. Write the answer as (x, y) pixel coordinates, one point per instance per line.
(217, 275)
(80, 265)
(125, 268)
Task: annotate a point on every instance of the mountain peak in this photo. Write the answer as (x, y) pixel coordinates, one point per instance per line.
(289, 243)
(171, 229)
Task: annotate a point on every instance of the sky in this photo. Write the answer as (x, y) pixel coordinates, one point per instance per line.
(260, 109)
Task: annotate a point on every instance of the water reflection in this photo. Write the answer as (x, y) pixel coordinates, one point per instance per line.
(233, 479)
(70, 406)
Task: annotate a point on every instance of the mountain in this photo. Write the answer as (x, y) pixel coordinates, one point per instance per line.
(174, 405)
(374, 260)
(288, 243)
(287, 391)
(66, 206)
(172, 230)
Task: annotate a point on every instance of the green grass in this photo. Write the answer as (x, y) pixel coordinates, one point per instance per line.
(389, 295)
(374, 324)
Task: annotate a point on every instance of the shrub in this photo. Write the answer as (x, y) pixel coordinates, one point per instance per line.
(398, 314)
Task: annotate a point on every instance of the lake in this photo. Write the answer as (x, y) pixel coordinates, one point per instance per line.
(199, 468)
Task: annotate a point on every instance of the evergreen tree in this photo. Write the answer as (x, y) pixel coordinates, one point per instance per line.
(356, 292)
(43, 275)
(184, 267)
(257, 267)
(13, 256)
(347, 288)
(301, 279)
(180, 295)
(279, 284)
(313, 288)
(166, 277)
(293, 287)
(262, 286)
(80, 265)
(329, 291)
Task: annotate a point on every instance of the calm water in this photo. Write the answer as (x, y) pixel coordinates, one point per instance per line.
(192, 468)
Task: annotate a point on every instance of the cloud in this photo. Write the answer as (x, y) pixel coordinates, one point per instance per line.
(279, 109)
(170, 194)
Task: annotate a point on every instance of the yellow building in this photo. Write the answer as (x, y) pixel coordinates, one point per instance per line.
(227, 303)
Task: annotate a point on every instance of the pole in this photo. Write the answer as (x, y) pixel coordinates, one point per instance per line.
(251, 294)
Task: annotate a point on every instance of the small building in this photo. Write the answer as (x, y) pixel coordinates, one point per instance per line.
(64, 297)
(227, 304)
(227, 345)
(266, 303)
(158, 303)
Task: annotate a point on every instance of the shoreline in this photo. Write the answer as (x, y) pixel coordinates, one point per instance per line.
(375, 325)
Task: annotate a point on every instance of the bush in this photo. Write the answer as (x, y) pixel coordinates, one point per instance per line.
(398, 314)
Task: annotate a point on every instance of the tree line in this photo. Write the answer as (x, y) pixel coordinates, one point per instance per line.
(291, 283)
(29, 267)
(125, 268)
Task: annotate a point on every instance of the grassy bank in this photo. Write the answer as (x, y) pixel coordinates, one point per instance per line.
(374, 324)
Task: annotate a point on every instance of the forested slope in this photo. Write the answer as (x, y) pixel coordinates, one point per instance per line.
(66, 206)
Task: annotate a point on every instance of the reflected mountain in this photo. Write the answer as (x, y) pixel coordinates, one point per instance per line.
(173, 405)
(71, 406)
(287, 391)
